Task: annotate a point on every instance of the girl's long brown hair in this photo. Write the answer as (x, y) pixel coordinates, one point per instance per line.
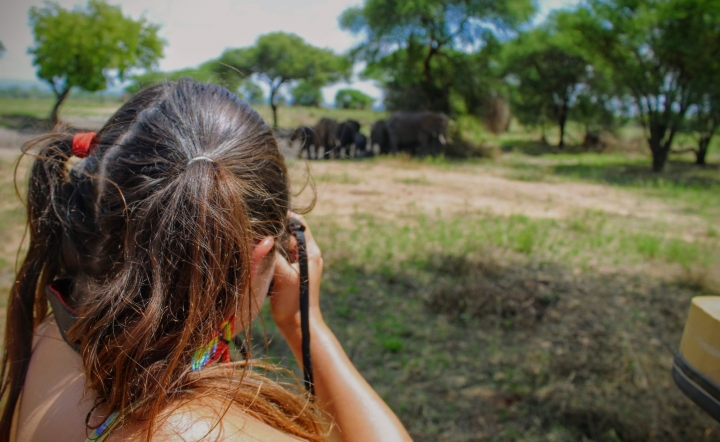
(158, 249)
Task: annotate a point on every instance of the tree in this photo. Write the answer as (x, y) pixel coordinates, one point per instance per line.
(2, 49)
(251, 92)
(414, 48)
(307, 93)
(547, 74)
(705, 120)
(352, 99)
(87, 48)
(649, 47)
(596, 110)
(204, 73)
(704, 112)
(703, 123)
(279, 58)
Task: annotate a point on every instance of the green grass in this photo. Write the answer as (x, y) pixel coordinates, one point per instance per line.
(12, 222)
(441, 365)
(335, 178)
(587, 240)
(692, 189)
(421, 181)
(40, 108)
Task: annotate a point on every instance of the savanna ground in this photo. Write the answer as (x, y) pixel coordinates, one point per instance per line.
(534, 295)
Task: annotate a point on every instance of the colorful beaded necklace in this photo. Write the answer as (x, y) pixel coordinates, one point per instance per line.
(217, 349)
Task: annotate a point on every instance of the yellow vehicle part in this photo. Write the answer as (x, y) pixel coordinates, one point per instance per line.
(696, 369)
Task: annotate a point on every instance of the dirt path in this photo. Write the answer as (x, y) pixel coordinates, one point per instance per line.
(11, 141)
(391, 188)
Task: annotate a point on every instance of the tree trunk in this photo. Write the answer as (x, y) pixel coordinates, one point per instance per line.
(658, 149)
(701, 152)
(273, 106)
(591, 140)
(561, 122)
(426, 64)
(659, 159)
(56, 109)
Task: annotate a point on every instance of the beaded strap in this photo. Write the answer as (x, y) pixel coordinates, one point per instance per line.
(217, 349)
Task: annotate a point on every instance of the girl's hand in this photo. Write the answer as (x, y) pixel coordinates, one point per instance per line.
(356, 409)
(285, 299)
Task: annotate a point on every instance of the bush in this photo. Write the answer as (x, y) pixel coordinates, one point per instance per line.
(306, 94)
(352, 99)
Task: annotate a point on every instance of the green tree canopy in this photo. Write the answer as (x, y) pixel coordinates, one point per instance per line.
(597, 109)
(547, 73)
(306, 93)
(89, 47)
(650, 48)
(251, 92)
(353, 99)
(704, 112)
(418, 49)
(280, 58)
(204, 73)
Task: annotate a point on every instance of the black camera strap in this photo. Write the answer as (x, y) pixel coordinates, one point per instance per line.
(298, 230)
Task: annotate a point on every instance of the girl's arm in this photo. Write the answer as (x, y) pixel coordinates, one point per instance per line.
(359, 413)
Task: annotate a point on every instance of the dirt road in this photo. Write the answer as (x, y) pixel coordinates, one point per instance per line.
(391, 188)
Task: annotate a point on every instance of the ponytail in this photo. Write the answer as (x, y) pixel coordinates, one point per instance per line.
(186, 257)
(27, 304)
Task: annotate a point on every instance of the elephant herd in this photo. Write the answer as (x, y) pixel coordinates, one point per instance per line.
(417, 133)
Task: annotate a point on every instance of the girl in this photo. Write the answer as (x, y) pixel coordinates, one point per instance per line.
(154, 250)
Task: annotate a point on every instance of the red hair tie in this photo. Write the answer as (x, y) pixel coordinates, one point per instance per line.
(84, 144)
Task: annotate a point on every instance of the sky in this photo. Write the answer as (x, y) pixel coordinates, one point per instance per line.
(199, 30)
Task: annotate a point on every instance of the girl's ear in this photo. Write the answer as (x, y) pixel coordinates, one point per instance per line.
(259, 252)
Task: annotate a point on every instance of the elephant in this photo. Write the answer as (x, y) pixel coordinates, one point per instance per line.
(304, 136)
(497, 117)
(361, 150)
(345, 135)
(379, 138)
(417, 132)
(325, 134)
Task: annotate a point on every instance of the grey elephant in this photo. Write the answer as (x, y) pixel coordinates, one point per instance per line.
(325, 131)
(345, 135)
(305, 137)
(379, 138)
(417, 132)
(361, 150)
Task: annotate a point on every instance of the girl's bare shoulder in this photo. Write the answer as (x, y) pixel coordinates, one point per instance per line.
(207, 419)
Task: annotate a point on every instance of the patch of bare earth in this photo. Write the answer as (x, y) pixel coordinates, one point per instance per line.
(389, 189)
(11, 142)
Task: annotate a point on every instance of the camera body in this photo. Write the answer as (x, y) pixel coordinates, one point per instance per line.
(289, 241)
